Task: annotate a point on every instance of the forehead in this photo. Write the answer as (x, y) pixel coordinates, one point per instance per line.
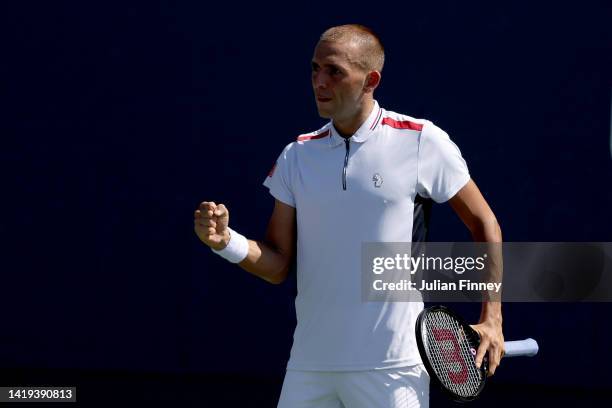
(336, 52)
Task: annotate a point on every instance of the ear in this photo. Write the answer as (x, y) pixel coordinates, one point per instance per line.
(372, 80)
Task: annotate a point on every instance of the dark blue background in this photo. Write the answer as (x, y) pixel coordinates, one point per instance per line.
(119, 119)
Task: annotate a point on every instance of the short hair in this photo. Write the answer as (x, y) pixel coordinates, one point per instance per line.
(372, 56)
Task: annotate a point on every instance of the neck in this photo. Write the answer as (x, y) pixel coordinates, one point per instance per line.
(347, 127)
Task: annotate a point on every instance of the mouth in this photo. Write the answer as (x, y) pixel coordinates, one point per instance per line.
(321, 99)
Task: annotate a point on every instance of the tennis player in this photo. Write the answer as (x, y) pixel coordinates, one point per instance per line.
(368, 175)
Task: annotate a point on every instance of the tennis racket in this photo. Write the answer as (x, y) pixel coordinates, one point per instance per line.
(448, 345)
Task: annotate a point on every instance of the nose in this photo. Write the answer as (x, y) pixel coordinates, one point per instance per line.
(319, 80)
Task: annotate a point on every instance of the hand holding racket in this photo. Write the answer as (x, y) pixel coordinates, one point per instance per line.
(448, 345)
(491, 343)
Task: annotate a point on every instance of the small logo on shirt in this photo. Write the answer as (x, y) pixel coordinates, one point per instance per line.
(377, 179)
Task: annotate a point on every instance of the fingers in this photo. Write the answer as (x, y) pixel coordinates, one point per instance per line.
(207, 208)
(482, 350)
(211, 210)
(221, 211)
(211, 224)
(495, 355)
(491, 345)
(204, 221)
(211, 217)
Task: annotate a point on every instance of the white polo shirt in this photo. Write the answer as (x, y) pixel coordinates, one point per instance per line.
(346, 193)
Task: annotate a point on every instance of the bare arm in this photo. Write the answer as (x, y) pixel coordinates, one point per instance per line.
(269, 259)
(473, 210)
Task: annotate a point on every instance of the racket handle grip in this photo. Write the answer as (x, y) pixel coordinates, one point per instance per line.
(528, 347)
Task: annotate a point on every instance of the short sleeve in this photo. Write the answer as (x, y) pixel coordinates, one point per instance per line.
(442, 171)
(278, 180)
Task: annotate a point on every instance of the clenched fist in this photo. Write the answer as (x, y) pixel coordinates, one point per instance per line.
(210, 224)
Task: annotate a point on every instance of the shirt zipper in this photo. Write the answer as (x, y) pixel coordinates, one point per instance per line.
(347, 143)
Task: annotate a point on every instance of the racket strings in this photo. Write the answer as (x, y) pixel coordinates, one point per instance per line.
(451, 356)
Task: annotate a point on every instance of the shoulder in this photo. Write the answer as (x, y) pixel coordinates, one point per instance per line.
(318, 134)
(425, 128)
(304, 141)
(401, 122)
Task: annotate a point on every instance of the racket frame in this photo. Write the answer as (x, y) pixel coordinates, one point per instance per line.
(425, 356)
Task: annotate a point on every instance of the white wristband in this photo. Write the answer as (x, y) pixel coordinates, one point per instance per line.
(237, 248)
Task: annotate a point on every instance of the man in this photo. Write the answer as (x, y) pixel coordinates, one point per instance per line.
(355, 180)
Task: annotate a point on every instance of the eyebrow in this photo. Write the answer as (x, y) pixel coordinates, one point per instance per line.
(315, 64)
